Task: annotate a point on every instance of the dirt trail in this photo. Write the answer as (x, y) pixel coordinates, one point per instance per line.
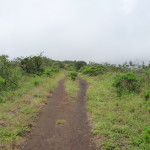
(72, 135)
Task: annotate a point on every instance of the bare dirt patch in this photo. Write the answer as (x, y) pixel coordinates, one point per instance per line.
(73, 133)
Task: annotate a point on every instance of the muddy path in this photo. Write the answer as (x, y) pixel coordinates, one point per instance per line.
(74, 134)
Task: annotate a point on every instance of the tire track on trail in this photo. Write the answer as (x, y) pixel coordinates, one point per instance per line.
(74, 134)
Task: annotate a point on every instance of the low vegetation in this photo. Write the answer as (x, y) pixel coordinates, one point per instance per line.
(118, 99)
(20, 108)
(119, 122)
(24, 89)
(61, 121)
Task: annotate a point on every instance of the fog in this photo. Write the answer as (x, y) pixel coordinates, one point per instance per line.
(92, 30)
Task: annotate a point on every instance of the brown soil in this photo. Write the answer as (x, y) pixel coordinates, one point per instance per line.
(74, 134)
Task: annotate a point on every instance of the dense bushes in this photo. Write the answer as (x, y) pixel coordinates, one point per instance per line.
(128, 82)
(12, 73)
(9, 74)
(32, 65)
(39, 65)
(93, 70)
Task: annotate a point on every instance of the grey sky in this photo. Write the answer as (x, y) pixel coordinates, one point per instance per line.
(91, 30)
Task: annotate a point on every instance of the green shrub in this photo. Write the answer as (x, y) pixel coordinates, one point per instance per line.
(73, 75)
(48, 72)
(147, 95)
(93, 70)
(32, 65)
(128, 82)
(36, 82)
(9, 74)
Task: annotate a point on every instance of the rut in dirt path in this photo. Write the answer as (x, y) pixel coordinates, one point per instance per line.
(74, 134)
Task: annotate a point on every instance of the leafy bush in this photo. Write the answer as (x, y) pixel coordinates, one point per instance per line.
(147, 95)
(73, 75)
(32, 65)
(128, 82)
(9, 74)
(48, 72)
(94, 70)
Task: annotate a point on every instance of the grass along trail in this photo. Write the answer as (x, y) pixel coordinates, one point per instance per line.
(18, 112)
(117, 122)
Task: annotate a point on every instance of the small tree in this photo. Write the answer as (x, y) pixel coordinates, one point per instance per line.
(9, 72)
(32, 65)
(80, 64)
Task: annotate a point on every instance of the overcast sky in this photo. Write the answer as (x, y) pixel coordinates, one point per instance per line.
(91, 30)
